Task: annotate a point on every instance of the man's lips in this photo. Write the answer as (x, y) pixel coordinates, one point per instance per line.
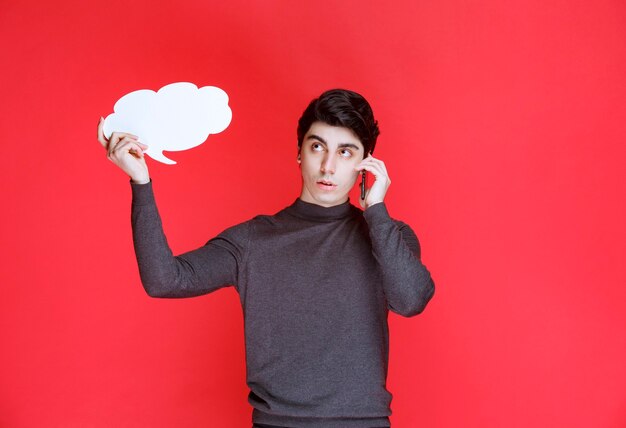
(327, 182)
(326, 185)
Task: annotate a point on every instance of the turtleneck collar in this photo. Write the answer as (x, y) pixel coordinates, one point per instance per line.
(309, 211)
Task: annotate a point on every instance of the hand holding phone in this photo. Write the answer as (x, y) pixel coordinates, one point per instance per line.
(376, 192)
(363, 184)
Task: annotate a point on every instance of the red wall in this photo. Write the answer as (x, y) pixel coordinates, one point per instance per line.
(503, 129)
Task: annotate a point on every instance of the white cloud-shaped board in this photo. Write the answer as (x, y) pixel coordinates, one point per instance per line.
(177, 117)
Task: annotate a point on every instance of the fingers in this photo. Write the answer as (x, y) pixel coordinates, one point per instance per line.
(110, 143)
(369, 160)
(373, 165)
(124, 146)
(134, 149)
(114, 141)
(101, 137)
(118, 137)
(374, 168)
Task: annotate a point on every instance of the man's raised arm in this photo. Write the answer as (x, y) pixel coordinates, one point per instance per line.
(197, 272)
(407, 283)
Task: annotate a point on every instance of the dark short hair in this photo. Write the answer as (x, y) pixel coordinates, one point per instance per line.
(340, 107)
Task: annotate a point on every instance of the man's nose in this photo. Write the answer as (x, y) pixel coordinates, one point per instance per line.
(328, 164)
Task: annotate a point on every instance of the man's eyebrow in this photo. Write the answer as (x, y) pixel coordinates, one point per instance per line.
(348, 145)
(316, 137)
(341, 145)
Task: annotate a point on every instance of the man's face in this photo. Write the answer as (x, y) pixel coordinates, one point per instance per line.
(328, 157)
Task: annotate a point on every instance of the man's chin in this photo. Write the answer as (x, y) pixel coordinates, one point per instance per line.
(324, 198)
(330, 200)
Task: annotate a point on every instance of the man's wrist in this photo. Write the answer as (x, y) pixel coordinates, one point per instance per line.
(140, 180)
(373, 203)
(376, 214)
(142, 193)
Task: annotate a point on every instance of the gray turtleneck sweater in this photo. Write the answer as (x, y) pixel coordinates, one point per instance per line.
(315, 286)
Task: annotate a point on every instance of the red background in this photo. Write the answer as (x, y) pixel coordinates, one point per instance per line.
(503, 129)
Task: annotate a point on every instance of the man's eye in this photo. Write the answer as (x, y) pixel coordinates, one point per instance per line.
(345, 153)
(316, 146)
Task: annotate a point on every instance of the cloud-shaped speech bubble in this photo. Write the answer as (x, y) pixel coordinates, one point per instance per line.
(177, 117)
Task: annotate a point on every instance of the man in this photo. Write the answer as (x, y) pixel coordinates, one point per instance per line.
(316, 280)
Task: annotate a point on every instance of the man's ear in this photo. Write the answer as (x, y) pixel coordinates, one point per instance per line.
(299, 160)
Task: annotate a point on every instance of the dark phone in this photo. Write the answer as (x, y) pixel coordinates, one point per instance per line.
(363, 184)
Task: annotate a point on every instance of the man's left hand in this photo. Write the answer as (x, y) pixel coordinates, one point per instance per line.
(376, 193)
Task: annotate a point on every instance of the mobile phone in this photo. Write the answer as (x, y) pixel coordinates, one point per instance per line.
(363, 184)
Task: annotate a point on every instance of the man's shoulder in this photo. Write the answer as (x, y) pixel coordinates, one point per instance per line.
(261, 219)
(270, 220)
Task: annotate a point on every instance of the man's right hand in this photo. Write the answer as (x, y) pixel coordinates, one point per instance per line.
(126, 152)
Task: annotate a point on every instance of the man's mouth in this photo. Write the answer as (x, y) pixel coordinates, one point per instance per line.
(326, 182)
(326, 185)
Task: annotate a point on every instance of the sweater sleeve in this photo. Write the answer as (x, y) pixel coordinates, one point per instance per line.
(407, 283)
(197, 272)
